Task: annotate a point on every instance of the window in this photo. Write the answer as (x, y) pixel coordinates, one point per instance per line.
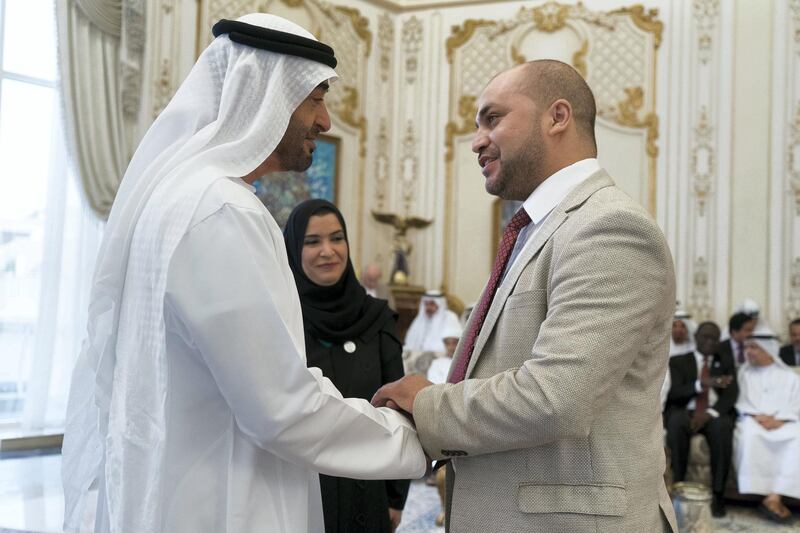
(47, 236)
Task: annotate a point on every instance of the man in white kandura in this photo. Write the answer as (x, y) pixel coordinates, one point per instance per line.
(681, 339)
(433, 317)
(191, 406)
(767, 436)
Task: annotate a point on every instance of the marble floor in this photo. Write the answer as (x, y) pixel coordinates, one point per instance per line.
(31, 501)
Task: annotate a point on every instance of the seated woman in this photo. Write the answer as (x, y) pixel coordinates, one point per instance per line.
(352, 338)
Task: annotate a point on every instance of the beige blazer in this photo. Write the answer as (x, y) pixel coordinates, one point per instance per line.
(557, 427)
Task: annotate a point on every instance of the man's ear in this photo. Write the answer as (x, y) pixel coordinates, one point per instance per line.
(560, 116)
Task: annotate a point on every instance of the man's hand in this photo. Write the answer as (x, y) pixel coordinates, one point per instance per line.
(400, 394)
(395, 516)
(699, 420)
(717, 382)
(769, 422)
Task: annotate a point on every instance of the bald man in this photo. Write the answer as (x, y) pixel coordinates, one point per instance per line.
(551, 416)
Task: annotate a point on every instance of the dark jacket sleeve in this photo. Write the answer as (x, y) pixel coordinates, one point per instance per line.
(683, 388)
(787, 354)
(726, 398)
(392, 370)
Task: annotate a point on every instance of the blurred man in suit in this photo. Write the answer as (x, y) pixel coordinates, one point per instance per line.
(551, 412)
(740, 326)
(701, 400)
(790, 354)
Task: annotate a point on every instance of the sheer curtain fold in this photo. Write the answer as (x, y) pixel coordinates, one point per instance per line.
(101, 44)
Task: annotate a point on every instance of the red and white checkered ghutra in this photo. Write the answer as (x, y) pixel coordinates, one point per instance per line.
(518, 221)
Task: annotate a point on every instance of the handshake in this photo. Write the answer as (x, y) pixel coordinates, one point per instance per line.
(400, 395)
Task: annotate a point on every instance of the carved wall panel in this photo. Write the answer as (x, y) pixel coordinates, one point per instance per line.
(785, 164)
(702, 246)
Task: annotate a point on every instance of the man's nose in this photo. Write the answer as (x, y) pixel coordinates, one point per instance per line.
(323, 119)
(480, 140)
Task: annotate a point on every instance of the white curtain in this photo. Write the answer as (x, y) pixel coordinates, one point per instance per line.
(101, 45)
(72, 236)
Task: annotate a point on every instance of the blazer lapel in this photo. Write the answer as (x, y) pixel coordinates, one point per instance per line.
(560, 213)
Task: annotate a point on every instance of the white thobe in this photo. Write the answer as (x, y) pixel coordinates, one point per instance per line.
(425, 333)
(439, 369)
(248, 425)
(768, 461)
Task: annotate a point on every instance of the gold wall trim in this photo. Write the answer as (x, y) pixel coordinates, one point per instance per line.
(467, 109)
(360, 25)
(646, 21)
(459, 35)
(410, 6)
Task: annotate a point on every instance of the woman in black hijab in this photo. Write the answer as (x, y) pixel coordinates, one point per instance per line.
(352, 338)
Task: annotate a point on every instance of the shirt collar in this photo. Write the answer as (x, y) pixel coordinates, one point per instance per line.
(554, 189)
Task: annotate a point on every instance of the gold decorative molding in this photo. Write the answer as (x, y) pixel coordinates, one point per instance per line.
(382, 165)
(700, 300)
(360, 25)
(794, 5)
(516, 57)
(628, 115)
(163, 92)
(579, 58)
(348, 110)
(793, 298)
(646, 21)
(412, 42)
(467, 109)
(793, 157)
(703, 161)
(461, 34)
(705, 14)
(385, 45)
(551, 17)
(409, 166)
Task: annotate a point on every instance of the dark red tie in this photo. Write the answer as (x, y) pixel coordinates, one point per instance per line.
(518, 221)
(740, 354)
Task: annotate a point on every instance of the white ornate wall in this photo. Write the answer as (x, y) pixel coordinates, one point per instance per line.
(723, 86)
(784, 183)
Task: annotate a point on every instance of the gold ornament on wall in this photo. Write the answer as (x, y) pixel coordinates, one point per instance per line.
(793, 157)
(461, 34)
(400, 245)
(646, 21)
(467, 109)
(703, 161)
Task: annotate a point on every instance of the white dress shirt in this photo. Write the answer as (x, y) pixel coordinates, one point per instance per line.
(546, 197)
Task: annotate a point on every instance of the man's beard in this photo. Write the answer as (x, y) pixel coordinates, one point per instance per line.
(516, 179)
(291, 151)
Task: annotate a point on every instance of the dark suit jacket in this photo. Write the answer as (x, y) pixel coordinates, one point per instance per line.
(787, 354)
(726, 349)
(683, 371)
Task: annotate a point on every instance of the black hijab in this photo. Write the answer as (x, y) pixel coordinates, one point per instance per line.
(339, 312)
